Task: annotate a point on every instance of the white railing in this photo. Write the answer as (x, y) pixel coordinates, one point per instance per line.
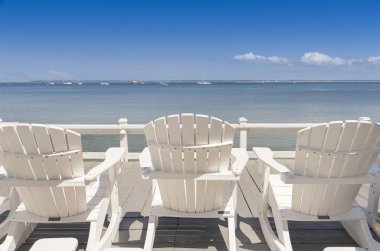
(123, 129)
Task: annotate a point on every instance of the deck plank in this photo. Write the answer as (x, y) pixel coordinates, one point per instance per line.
(194, 234)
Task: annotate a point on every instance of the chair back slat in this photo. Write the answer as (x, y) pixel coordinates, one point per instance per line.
(37, 165)
(188, 158)
(337, 149)
(202, 134)
(76, 161)
(167, 187)
(216, 130)
(19, 167)
(316, 140)
(353, 166)
(190, 144)
(224, 162)
(174, 128)
(38, 145)
(150, 135)
(326, 160)
(59, 143)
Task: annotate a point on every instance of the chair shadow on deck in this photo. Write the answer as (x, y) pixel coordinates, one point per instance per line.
(193, 233)
(210, 234)
(304, 235)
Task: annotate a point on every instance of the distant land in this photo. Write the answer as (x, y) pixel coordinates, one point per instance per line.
(59, 81)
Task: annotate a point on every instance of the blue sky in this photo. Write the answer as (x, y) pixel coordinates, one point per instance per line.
(189, 39)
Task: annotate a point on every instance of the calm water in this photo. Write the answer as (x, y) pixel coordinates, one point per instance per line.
(269, 102)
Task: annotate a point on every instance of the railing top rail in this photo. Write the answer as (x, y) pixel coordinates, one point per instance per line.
(124, 127)
(139, 128)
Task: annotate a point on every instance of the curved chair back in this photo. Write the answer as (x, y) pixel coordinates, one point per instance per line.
(190, 144)
(31, 152)
(333, 150)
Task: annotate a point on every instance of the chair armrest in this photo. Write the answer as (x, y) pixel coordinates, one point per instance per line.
(291, 178)
(265, 155)
(114, 155)
(239, 158)
(145, 161)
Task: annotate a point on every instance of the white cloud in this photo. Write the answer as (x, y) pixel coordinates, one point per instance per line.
(317, 58)
(259, 58)
(374, 60)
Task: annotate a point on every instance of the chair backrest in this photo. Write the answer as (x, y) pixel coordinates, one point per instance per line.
(167, 140)
(335, 149)
(38, 152)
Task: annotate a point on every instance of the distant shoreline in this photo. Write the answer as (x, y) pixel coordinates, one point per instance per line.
(195, 80)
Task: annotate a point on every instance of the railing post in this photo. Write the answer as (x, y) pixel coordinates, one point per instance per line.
(243, 133)
(124, 136)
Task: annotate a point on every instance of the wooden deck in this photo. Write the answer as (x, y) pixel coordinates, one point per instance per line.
(200, 234)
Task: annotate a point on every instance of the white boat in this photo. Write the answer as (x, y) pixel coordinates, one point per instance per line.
(79, 83)
(136, 82)
(163, 83)
(204, 83)
(51, 83)
(104, 83)
(67, 83)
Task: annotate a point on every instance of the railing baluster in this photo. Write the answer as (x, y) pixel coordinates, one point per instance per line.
(124, 136)
(243, 133)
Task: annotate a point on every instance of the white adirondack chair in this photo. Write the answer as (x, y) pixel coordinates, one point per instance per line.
(45, 166)
(5, 205)
(196, 169)
(373, 218)
(332, 161)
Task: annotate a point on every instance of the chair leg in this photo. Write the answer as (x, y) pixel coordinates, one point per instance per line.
(359, 231)
(274, 243)
(18, 232)
(373, 203)
(110, 234)
(96, 228)
(282, 229)
(115, 212)
(236, 221)
(4, 226)
(231, 233)
(150, 233)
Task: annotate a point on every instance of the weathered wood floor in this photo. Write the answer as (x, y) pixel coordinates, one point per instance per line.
(200, 234)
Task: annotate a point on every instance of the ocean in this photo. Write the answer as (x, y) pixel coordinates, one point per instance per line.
(269, 102)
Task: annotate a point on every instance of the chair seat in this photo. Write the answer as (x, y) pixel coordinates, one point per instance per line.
(282, 193)
(94, 199)
(281, 197)
(56, 244)
(227, 209)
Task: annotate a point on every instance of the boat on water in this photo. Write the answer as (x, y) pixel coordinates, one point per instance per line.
(136, 82)
(79, 83)
(51, 83)
(163, 83)
(104, 83)
(67, 83)
(204, 83)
